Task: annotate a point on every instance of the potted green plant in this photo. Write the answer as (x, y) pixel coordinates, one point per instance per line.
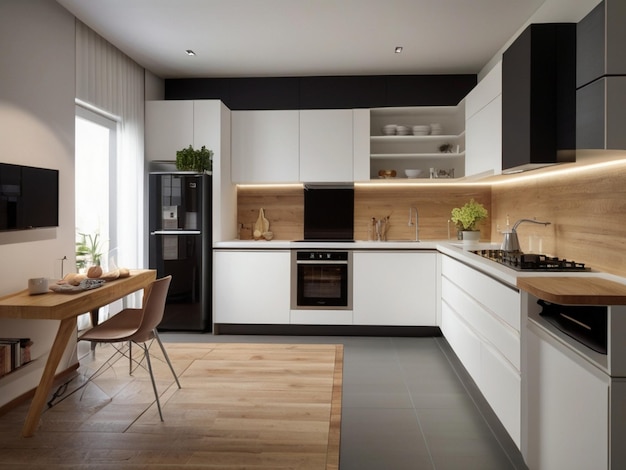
(88, 251)
(190, 159)
(466, 219)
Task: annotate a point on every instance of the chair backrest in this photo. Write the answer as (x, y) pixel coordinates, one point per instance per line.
(153, 309)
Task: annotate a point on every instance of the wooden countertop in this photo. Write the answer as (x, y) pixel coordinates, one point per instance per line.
(575, 290)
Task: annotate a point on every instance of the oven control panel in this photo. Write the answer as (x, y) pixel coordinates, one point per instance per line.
(322, 256)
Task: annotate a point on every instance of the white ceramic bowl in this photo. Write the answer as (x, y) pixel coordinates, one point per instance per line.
(389, 129)
(414, 173)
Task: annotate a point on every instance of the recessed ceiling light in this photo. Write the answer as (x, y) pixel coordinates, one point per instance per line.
(190, 52)
(398, 49)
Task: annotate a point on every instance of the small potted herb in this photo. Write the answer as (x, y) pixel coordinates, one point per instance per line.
(467, 218)
(190, 159)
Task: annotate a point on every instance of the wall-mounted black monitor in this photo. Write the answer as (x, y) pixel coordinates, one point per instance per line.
(29, 197)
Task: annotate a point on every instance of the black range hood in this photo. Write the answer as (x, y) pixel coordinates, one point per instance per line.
(539, 98)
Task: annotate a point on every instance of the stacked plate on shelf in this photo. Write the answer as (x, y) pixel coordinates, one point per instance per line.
(421, 130)
(402, 130)
(436, 129)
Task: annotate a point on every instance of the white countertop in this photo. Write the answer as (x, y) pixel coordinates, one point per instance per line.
(451, 248)
(355, 245)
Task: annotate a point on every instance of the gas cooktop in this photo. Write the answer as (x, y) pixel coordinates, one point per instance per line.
(530, 261)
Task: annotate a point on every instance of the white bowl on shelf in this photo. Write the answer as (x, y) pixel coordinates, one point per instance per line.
(402, 130)
(413, 173)
(389, 129)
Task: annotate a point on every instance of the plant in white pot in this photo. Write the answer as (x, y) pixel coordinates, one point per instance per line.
(190, 159)
(467, 218)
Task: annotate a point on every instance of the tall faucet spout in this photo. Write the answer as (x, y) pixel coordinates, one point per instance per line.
(416, 223)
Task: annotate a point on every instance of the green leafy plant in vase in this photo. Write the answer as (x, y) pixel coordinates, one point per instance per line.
(199, 160)
(467, 218)
(88, 251)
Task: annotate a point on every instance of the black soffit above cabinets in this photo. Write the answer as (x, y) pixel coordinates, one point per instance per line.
(325, 92)
(539, 98)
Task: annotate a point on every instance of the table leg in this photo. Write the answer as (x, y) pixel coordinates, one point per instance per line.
(94, 322)
(64, 333)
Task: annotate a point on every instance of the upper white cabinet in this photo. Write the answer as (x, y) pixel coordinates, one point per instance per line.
(265, 146)
(326, 145)
(441, 147)
(172, 125)
(169, 127)
(483, 125)
(287, 146)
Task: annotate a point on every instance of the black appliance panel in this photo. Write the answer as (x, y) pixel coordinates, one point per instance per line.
(328, 212)
(180, 245)
(586, 324)
(322, 280)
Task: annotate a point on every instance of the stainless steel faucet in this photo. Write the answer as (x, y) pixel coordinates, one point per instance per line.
(410, 224)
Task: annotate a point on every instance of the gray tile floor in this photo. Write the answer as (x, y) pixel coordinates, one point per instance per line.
(407, 404)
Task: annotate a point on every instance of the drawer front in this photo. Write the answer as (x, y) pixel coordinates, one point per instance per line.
(503, 301)
(488, 326)
(464, 343)
(501, 386)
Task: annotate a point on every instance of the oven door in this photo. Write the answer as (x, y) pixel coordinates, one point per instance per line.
(321, 280)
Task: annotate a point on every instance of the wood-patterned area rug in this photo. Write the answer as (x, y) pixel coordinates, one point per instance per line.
(241, 406)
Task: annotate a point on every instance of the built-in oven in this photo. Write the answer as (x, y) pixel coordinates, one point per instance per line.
(321, 279)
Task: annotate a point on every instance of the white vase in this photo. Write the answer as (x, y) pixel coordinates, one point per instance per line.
(471, 237)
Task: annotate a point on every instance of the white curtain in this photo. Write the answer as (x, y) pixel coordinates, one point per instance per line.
(108, 80)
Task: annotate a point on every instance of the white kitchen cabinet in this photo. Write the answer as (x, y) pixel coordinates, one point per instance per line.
(400, 152)
(251, 286)
(568, 409)
(483, 125)
(326, 145)
(265, 146)
(169, 126)
(394, 288)
(481, 320)
(172, 125)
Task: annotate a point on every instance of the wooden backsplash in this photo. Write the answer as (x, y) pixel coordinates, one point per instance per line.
(284, 208)
(586, 209)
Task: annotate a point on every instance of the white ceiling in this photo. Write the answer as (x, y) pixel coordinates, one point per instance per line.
(255, 38)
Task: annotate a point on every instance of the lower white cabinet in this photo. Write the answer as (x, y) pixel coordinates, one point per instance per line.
(251, 286)
(480, 318)
(395, 288)
(568, 410)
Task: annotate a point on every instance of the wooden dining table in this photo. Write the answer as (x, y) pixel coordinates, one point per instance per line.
(65, 307)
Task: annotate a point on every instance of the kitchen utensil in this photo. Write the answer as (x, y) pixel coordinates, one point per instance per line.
(510, 242)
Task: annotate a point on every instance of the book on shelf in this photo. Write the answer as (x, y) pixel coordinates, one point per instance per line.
(14, 353)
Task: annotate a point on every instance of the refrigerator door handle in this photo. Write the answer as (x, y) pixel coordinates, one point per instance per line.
(176, 232)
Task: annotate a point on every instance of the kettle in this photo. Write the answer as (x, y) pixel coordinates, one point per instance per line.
(510, 242)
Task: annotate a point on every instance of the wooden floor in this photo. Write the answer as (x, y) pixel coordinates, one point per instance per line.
(252, 406)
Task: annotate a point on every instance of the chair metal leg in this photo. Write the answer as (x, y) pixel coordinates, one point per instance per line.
(154, 387)
(167, 358)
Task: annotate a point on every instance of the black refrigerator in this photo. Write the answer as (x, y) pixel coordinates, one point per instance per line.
(180, 216)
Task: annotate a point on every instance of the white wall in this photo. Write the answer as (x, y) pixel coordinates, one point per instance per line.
(36, 129)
